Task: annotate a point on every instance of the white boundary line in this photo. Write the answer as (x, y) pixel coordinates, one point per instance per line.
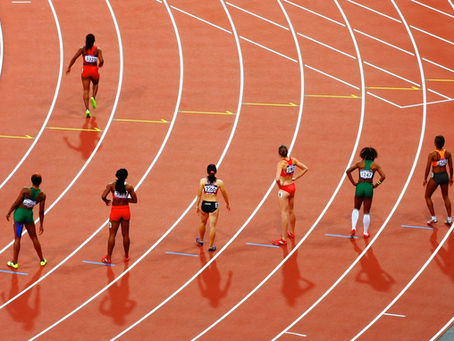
(432, 35)
(418, 152)
(315, 13)
(49, 114)
(432, 8)
(237, 116)
(443, 329)
(335, 192)
(120, 80)
(376, 12)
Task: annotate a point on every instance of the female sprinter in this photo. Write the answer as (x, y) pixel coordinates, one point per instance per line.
(23, 215)
(208, 190)
(285, 176)
(122, 194)
(438, 159)
(364, 187)
(91, 56)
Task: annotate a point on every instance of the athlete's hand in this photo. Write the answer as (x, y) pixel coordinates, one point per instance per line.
(451, 182)
(7, 216)
(41, 230)
(425, 183)
(197, 210)
(107, 201)
(228, 207)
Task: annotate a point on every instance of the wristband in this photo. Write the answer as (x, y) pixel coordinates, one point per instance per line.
(378, 182)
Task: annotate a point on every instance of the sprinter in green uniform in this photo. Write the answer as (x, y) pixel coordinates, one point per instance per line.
(23, 215)
(364, 187)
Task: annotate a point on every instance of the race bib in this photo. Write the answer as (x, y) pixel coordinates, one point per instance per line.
(442, 162)
(29, 203)
(366, 174)
(90, 59)
(211, 189)
(290, 169)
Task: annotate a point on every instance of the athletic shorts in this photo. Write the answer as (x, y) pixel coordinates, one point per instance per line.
(23, 215)
(364, 189)
(441, 178)
(90, 71)
(209, 206)
(290, 189)
(120, 212)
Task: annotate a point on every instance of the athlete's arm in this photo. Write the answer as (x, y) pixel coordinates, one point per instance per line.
(301, 166)
(382, 175)
(133, 199)
(16, 203)
(278, 174)
(450, 167)
(224, 194)
(429, 162)
(199, 196)
(42, 205)
(105, 193)
(100, 58)
(349, 173)
(73, 60)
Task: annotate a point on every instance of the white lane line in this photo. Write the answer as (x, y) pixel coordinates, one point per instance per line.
(296, 334)
(49, 114)
(352, 156)
(257, 16)
(392, 74)
(394, 315)
(409, 284)
(114, 108)
(376, 12)
(200, 19)
(315, 13)
(432, 35)
(21, 2)
(436, 64)
(432, 8)
(421, 104)
(240, 101)
(410, 175)
(385, 42)
(384, 100)
(443, 329)
(326, 45)
(268, 49)
(237, 117)
(439, 94)
(330, 76)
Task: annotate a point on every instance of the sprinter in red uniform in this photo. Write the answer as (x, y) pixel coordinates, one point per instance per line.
(92, 61)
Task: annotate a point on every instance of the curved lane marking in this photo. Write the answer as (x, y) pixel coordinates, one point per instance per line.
(421, 138)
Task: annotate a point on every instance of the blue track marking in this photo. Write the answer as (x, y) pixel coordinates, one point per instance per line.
(265, 245)
(341, 236)
(418, 227)
(98, 263)
(14, 272)
(181, 254)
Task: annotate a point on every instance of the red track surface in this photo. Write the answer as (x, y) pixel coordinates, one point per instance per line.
(326, 285)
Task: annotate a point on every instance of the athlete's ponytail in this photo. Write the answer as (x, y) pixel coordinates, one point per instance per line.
(89, 41)
(211, 170)
(121, 175)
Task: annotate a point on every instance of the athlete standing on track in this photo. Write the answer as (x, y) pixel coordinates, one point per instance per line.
(90, 73)
(23, 215)
(364, 187)
(208, 189)
(285, 177)
(122, 194)
(438, 159)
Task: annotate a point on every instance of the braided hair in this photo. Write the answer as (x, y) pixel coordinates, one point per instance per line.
(89, 41)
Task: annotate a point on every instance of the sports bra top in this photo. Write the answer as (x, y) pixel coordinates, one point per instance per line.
(89, 56)
(442, 161)
(290, 169)
(31, 202)
(210, 188)
(366, 173)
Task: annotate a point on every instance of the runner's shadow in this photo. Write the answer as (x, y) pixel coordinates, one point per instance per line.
(210, 281)
(445, 256)
(87, 139)
(371, 271)
(293, 284)
(117, 304)
(20, 310)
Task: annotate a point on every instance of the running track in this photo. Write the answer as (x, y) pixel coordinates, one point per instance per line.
(187, 83)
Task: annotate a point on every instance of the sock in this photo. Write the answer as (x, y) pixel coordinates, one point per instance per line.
(366, 222)
(355, 216)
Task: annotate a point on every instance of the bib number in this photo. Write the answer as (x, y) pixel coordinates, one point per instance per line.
(90, 59)
(366, 174)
